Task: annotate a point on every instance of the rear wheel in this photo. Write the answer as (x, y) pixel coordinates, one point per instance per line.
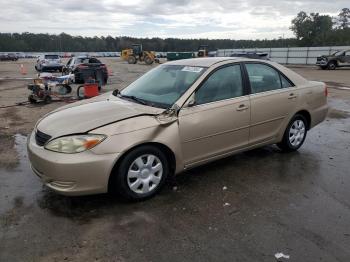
(141, 173)
(295, 134)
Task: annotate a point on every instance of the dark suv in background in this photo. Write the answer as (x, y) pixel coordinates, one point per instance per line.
(84, 67)
(331, 62)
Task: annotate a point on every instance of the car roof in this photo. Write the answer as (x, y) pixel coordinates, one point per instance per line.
(204, 62)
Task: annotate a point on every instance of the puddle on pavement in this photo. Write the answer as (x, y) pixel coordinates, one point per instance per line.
(338, 114)
(8, 153)
(17, 183)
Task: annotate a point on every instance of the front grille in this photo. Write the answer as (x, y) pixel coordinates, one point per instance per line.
(41, 138)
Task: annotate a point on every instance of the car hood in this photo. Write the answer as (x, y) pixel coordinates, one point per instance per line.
(86, 115)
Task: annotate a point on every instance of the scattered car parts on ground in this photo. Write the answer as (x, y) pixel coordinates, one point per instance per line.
(48, 87)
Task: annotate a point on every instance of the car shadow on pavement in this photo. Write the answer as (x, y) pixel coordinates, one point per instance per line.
(231, 171)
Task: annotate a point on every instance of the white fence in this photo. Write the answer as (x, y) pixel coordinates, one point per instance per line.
(289, 55)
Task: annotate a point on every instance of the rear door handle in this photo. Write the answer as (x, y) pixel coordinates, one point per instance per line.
(242, 107)
(292, 96)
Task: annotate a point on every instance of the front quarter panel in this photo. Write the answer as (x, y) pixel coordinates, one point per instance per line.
(127, 134)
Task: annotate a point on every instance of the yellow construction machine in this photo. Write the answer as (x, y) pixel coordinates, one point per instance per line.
(134, 54)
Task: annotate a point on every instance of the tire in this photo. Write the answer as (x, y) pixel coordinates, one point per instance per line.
(300, 125)
(47, 99)
(69, 89)
(332, 65)
(132, 60)
(32, 99)
(148, 60)
(80, 92)
(140, 174)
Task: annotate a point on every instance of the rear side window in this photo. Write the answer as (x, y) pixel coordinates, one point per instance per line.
(264, 78)
(223, 84)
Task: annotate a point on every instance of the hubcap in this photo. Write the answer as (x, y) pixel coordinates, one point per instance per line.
(144, 174)
(297, 133)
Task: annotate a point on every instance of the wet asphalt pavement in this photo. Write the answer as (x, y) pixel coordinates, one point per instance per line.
(247, 207)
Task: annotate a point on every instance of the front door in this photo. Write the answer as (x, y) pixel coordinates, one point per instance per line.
(218, 121)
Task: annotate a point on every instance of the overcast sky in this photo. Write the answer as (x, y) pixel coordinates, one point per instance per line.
(234, 19)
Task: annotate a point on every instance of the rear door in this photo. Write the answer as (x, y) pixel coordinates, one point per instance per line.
(273, 98)
(218, 122)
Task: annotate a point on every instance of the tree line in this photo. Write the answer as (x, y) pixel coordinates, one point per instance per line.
(309, 29)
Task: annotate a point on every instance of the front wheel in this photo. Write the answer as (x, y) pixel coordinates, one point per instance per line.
(332, 65)
(141, 173)
(295, 134)
(132, 59)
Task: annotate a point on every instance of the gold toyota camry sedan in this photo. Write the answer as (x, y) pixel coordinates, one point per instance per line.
(177, 116)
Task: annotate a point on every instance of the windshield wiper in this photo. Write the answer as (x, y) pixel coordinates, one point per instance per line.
(117, 93)
(134, 98)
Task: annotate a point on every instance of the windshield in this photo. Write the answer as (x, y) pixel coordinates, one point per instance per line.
(51, 57)
(339, 53)
(162, 86)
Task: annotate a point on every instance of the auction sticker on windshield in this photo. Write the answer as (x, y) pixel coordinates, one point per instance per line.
(194, 69)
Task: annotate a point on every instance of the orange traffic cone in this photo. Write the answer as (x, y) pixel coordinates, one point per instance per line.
(23, 70)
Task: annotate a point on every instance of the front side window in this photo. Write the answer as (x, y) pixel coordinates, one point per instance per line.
(264, 78)
(223, 84)
(164, 85)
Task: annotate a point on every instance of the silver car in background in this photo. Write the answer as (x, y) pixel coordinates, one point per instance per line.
(49, 63)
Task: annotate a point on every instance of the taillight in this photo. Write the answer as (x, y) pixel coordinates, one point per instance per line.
(326, 90)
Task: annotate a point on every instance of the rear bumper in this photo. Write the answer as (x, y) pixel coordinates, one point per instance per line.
(71, 174)
(319, 115)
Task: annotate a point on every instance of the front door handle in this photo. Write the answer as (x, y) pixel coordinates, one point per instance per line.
(242, 107)
(292, 96)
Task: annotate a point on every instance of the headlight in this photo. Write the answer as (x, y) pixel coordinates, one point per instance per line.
(75, 143)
